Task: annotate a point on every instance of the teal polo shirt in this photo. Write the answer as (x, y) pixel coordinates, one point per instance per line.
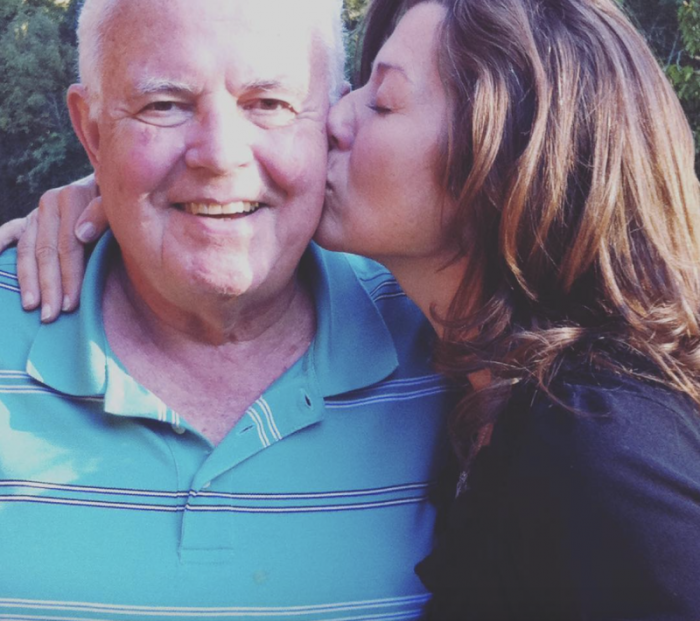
(315, 505)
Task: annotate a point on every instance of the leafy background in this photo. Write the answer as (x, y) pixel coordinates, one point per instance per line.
(38, 58)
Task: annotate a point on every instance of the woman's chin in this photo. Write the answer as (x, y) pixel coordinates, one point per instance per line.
(332, 242)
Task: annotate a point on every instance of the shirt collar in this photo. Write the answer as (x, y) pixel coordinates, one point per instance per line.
(70, 355)
(353, 347)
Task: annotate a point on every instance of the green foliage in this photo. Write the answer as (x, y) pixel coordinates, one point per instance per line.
(38, 149)
(353, 12)
(684, 73)
(689, 22)
(672, 28)
(658, 21)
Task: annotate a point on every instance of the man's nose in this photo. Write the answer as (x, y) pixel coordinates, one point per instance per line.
(221, 140)
(341, 124)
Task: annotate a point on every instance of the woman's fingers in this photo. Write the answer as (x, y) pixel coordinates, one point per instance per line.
(27, 268)
(73, 234)
(46, 253)
(11, 231)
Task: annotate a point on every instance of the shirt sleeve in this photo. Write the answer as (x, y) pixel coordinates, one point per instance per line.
(600, 507)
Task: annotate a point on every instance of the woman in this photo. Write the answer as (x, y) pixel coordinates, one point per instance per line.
(553, 240)
(525, 170)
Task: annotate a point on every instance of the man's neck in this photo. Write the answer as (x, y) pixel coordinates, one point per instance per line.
(208, 319)
(208, 367)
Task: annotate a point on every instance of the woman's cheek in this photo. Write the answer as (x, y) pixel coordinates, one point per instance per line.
(372, 169)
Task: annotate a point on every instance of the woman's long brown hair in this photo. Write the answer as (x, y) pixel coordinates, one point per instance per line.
(571, 162)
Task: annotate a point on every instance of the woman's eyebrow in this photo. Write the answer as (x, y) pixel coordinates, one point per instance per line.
(383, 67)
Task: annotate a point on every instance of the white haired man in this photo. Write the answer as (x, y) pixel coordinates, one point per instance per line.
(235, 424)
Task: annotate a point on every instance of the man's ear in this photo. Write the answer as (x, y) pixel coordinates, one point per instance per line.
(85, 126)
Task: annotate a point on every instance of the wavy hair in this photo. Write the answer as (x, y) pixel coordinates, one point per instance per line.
(572, 165)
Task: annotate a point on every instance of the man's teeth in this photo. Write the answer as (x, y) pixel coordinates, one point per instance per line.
(217, 209)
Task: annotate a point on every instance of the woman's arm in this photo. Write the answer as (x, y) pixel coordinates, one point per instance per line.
(50, 246)
(604, 505)
(593, 515)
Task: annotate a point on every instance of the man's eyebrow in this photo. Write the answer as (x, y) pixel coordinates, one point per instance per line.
(154, 86)
(264, 86)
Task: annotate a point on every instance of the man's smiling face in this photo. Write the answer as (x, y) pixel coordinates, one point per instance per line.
(210, 146)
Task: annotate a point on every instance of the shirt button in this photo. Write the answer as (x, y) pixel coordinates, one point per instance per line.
(207, 485)
(178, 430)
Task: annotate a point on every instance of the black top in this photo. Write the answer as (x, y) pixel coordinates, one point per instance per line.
(588, 515)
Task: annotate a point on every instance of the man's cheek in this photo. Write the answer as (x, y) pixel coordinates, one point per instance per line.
(147, 157)
(298, 161)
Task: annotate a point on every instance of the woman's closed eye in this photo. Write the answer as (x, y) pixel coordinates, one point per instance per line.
(379, 109)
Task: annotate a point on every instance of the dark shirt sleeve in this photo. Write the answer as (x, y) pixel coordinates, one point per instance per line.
(586, 515)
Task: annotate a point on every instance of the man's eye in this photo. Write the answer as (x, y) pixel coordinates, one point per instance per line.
(271, 112)
(270, 105)
(161, 106)
(165, 113)
(273, 105)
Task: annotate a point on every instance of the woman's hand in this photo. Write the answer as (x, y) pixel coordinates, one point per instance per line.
(50, 246)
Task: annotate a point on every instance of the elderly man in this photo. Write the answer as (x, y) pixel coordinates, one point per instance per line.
(235, 424)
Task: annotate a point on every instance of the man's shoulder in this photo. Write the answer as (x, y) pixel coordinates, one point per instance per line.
(402, 317)
(8, 260)
(19, 326)
(376, 280)
(9, 283)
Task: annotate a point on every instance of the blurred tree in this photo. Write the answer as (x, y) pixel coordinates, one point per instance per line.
(353, 11)
(658, 20)
(672, 28)
(684, 66)
(352, 16)
(38, 149)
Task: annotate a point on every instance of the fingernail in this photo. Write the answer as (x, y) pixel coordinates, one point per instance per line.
(86, 232)
(66, 304)
(45, 312)
(28, 300)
